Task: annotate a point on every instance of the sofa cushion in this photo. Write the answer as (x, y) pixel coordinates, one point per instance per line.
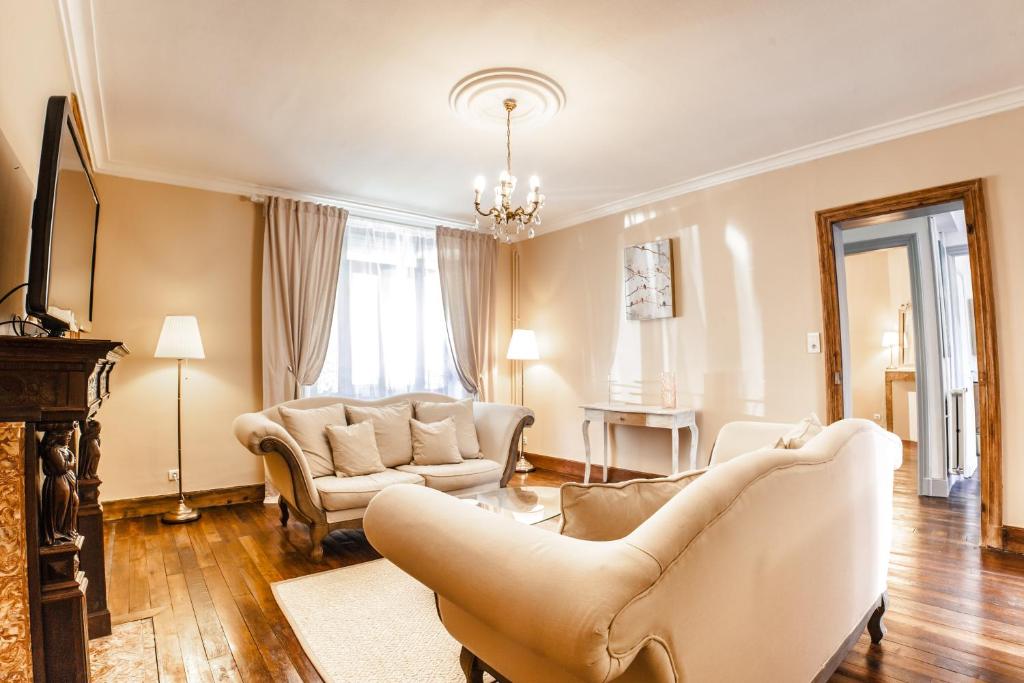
(307, 426)
(347, 493)
(434, 443)
(354, 449)
(461, 476)
(390, 427)
(465, 424)
(802, 432)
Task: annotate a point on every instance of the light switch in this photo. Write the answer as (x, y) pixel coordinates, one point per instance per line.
(813, 342)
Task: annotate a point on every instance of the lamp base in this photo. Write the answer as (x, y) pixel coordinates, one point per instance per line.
(523, 465)
(181, 515)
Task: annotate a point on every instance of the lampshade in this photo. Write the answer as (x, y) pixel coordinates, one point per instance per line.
(180, 338)
(522, 346)
(890, 339)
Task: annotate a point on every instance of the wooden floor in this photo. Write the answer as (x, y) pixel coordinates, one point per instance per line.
(956, 612)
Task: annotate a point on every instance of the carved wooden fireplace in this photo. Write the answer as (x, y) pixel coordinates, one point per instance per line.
(53, 595)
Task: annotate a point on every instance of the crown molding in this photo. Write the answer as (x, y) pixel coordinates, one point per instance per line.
(76, 18)
(78, 24)
(910, 125)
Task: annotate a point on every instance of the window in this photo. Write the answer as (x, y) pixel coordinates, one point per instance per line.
(388, 335)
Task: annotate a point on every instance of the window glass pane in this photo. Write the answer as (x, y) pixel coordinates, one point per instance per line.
(389, 334)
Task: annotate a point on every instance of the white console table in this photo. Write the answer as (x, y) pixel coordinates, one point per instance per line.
(640, 416)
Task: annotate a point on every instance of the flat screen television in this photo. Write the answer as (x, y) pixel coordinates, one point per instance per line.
(65, 218)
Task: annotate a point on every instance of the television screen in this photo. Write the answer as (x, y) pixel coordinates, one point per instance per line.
(64, 225)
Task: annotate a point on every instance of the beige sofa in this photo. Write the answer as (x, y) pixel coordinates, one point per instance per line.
(766, 566)
(326, 503)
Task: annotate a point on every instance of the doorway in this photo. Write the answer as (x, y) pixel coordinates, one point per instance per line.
(909, 334)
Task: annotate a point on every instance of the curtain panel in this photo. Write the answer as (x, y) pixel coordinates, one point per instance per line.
(302, 244)
(465, 262)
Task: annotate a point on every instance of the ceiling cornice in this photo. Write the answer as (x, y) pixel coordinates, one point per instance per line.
(77, 20)
(910, 125)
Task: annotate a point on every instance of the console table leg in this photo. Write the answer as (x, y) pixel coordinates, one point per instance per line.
(607, 431)
(675, 451)
(586, 451)
(693, 445)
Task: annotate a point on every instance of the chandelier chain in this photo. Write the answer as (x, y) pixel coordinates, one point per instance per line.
(508, 139)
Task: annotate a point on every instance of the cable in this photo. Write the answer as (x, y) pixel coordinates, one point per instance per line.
(13, 290)
(22, 322)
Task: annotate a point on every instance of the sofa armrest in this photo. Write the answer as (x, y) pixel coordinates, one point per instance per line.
(501, 582)
(737, 438)
(608, 512)
(263, 436)
(498, 428)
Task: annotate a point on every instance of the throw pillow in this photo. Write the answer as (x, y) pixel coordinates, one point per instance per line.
(465, 425)
(306, 426)
(354, 449)
(391, 429)
(434, 443)
(801, 433)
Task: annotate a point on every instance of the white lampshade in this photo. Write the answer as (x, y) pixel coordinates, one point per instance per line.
(522, 346)
(180, 338)
(890, 339)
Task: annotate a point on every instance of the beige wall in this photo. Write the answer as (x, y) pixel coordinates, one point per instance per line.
(877, 282)
(747, 275)
(166, 250)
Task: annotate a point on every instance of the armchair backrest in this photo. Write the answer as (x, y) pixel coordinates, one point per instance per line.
(779, 542)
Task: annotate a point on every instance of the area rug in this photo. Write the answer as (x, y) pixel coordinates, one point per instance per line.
(127, 654)
(369, 622)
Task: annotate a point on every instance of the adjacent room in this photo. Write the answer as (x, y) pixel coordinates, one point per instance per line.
(533, 342)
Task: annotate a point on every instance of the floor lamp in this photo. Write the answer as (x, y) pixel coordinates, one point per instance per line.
(180, 339)
(522, 347)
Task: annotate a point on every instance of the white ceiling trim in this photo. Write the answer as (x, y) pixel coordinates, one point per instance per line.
(77, 17)
(911, 125)
(78, 24)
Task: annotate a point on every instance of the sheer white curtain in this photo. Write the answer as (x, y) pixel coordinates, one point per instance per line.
(388, 335)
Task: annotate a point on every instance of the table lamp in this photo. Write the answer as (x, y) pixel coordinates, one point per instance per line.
(180, 339)
(890, 340)
(521, 347)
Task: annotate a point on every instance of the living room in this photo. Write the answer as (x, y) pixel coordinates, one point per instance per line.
(293, 202)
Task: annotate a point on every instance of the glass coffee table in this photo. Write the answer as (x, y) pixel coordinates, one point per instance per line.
(525, 504)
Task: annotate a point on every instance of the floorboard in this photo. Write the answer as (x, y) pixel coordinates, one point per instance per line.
(956, 611)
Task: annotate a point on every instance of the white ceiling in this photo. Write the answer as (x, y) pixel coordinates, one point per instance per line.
(350, 99)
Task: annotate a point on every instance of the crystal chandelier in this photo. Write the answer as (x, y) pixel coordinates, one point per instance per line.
(507, 222)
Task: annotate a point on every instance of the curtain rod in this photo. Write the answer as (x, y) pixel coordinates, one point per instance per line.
(372, 212)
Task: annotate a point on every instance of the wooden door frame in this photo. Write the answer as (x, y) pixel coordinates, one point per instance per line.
(972, 194)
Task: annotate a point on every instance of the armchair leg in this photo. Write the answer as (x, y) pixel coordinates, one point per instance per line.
(281, 503)
(317, 534)
(875, 626)
(471, 667)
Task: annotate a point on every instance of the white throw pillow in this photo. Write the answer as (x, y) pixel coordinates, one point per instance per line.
(391, 429)
(804, 430)
(306, 426)
(354, 449)
(434, 443)
(465, 425)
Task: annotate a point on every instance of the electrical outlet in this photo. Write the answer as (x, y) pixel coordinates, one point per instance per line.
(813, 342)
(877, 418)
(172, 475)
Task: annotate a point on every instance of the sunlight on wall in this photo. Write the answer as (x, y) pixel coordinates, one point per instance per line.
(751, 330)
(637, 217)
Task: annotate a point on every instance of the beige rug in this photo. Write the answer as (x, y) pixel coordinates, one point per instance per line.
(369, 622)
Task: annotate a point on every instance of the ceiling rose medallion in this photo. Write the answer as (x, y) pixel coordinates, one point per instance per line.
(501, 96)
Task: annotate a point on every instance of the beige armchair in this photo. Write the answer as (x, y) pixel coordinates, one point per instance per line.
(766, 566)
(326, 503)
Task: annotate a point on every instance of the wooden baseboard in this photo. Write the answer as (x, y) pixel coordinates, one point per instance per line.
(156, 505)
(1013, 539)
(574, 468)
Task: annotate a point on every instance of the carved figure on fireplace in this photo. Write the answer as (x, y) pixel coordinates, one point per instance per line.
(89, 450)
(59, 505)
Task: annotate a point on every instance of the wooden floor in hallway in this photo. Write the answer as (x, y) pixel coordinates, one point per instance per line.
(956, 612)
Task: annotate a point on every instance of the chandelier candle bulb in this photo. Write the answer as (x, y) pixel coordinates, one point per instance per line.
(534, 183)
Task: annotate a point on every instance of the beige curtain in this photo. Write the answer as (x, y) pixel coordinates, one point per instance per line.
(466, 261)
(301, 258)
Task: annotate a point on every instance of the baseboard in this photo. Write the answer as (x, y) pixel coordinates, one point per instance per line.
(155, 505)
(574, 468)
(1013, 539)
